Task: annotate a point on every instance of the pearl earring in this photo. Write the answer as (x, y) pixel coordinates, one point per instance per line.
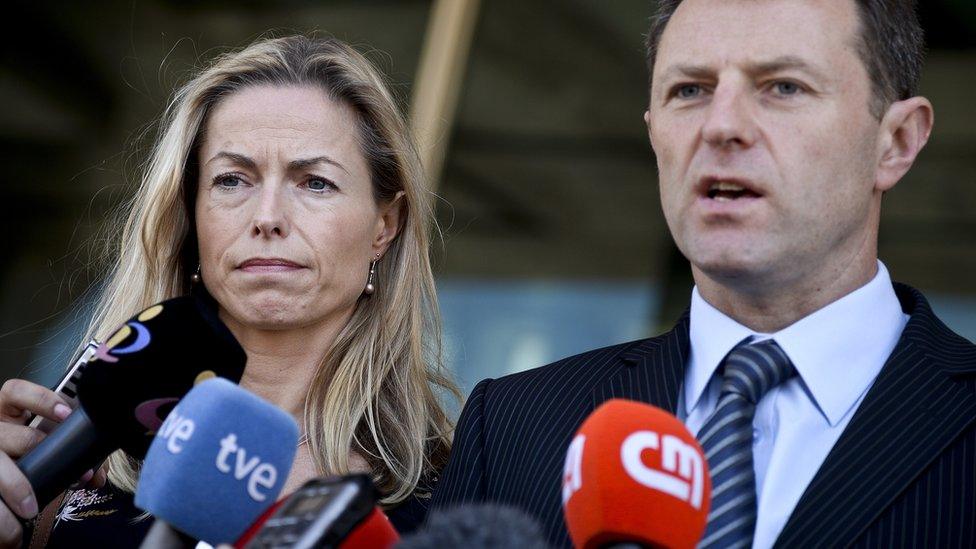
(370, 287)
(195, 278)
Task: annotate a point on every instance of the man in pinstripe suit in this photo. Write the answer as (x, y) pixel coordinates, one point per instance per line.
(778, 125)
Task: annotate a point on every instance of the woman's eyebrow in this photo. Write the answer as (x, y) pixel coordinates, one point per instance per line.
(235, 158)
(302, 163)
(295, 165)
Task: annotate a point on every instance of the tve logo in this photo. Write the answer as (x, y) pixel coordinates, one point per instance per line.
(177, 430)
(683, 475)
(258, 474)
(573, 469)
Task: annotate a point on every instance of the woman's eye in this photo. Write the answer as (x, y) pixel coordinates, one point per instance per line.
(319, 184)
(228, 181)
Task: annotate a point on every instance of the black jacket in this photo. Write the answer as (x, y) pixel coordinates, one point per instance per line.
(903, 473)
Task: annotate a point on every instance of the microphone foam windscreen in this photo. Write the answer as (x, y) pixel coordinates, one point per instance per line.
(634, 473)
(218, 462)
(477, 527)
(147, 365)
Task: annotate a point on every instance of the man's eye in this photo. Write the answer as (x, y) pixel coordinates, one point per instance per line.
(688, 91)
(787, 88)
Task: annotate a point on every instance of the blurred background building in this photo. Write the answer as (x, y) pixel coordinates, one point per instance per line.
(554, 241)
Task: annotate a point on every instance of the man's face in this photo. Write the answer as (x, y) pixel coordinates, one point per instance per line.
(766, 146)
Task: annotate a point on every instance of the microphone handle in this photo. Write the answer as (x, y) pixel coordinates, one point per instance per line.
(164, 536)
(628, 545)
(63, 456)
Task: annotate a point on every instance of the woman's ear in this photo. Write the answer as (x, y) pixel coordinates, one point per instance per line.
(388, 224)
(905, 129)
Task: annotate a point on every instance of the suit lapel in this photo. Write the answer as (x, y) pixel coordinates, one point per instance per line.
(650, 372)
(921, 401)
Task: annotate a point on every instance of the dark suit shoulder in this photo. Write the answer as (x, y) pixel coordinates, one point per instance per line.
(902, 472)
(952, 352)
(565, 372)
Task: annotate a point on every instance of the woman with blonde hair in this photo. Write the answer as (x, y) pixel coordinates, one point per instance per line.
(284, 183)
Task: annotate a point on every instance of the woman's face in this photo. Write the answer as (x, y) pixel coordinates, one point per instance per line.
(285, 216)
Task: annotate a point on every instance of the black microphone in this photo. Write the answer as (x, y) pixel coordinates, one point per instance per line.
(135, 378)
(477, 527)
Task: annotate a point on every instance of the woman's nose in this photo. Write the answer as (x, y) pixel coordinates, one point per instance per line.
(270, 215)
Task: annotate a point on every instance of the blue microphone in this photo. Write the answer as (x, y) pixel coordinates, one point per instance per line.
(217, 463)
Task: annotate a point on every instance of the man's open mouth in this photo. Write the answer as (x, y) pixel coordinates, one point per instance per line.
(724, 191)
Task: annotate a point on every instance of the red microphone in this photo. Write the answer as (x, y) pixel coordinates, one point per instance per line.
(328, 513)
(256, 526)
(635, 475)
(374, 532)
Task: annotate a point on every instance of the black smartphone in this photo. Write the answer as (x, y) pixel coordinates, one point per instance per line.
(67, 387)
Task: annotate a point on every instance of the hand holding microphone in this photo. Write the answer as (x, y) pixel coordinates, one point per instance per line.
(126, 390)
(135, 378)
(28, 413)
(634, 476)
(19, 399)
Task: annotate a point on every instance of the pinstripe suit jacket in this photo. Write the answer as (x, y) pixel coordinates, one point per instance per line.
(903, 473)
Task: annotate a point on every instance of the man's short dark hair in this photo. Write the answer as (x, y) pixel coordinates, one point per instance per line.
(891, 45)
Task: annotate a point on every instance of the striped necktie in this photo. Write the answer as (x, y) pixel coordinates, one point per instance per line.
(751, 370)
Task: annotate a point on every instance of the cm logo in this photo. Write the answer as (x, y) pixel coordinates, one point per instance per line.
(684, 471)
(573, 468)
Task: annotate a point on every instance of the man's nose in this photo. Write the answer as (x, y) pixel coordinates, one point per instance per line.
(730, 118)
(270, 215)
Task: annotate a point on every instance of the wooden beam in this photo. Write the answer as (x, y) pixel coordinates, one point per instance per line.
(437, 88)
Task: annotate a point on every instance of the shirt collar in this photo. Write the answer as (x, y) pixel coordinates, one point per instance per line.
(712, 334)
(837, 350)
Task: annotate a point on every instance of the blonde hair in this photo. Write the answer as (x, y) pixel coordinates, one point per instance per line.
(377, 391)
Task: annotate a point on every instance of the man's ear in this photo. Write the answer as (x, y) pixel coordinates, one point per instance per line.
(388, 225)
(905, 129)
(647, 123)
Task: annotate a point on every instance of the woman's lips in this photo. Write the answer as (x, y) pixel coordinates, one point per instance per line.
(261, 265)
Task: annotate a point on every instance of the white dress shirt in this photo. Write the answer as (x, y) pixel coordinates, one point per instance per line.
(838, 351)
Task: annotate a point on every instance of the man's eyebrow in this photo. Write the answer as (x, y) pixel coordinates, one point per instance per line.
(785, 62)
(692, 71)
(295, 165)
